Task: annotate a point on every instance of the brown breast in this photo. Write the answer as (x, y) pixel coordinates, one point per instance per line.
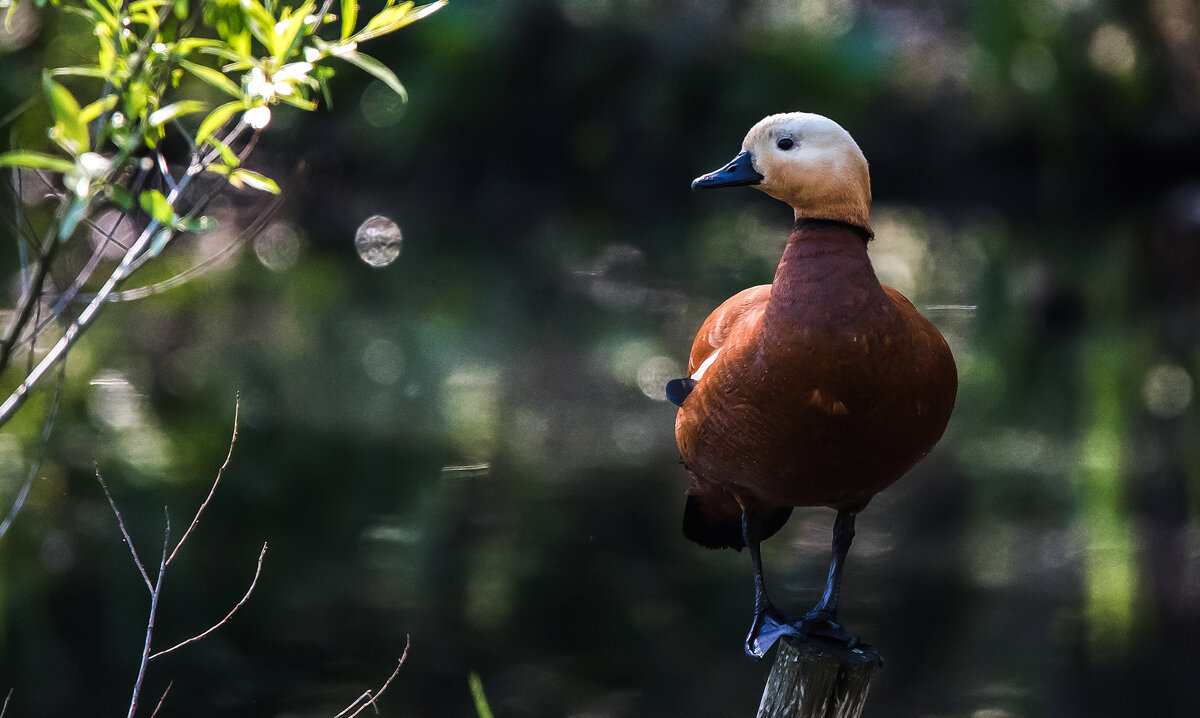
(827, 388)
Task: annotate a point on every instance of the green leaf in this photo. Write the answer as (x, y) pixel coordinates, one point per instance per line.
(376, 68)
(35, 160)
(349, 17)
(93, 110)
(69, 130)
(254, 180)
(227, 155)
(120, 196)
(394, 17)
(157, 206)
(218, 117)
(80, 71)
(188, 45)
(297, 101)
(294, 23)
(216, 78)
(260, 22)
(163, 115)
(105, 15)
(198, 225)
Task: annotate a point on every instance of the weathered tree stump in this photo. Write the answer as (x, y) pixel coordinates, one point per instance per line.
(818, 679)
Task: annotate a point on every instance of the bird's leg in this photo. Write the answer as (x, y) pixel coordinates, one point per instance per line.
(822, 619)
(769, 624)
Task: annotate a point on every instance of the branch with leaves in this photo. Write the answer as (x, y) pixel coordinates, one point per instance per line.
(156, 65)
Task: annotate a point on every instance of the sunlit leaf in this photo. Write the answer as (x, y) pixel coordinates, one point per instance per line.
(254, 180)
(137, 98)
(349, 17)
(105, 15)
(35, 160)
(164, 115)
(393, 18)
(227, 156)
(157, 206)
(261, 23)
(388, 20)
(216, 78)
(297, 101)
(294, 23)
(218, 117)
(69, 130)
(188, 45)
(94, 109)
(376, 68)
(79, 71)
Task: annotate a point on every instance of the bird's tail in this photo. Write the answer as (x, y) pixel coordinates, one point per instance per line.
(712, 531)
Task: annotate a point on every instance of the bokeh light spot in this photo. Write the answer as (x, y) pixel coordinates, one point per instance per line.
(378, 241)
(1112, 50)
(1167, 390)
(654, 373)
(277, 246)
(380, 105)
(383, 362)
(1034, 68)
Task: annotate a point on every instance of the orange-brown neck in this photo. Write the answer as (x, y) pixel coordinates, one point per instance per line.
(824, 281)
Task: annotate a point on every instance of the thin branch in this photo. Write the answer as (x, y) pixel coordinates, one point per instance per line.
(218, 624)
(253, 582)
(154, 594)
(161, 698)
(237, 407)
(128, 541)
(47, 429)
(164, 170)
(370, 698)
(7, 698)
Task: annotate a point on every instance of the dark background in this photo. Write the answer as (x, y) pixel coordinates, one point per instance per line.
(1036, 171)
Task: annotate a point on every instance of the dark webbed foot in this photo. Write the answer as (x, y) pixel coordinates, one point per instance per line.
(771, 624)
(824, 623)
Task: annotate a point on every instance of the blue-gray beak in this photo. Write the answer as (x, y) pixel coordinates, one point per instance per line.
(740, 171)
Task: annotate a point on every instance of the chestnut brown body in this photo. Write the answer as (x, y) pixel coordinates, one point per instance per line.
(826, 387)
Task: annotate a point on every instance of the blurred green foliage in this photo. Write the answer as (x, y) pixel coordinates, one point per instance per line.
(470, 446)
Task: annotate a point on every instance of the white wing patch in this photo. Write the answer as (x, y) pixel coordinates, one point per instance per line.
(704, 365)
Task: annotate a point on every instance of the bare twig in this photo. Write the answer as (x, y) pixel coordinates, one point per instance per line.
(154, 594)
(368, 698)
(7, 698)
(218, 624)
(161, 698)
(121, 522)
(237, 407)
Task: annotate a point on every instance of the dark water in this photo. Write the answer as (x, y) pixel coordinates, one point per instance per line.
(469, 446)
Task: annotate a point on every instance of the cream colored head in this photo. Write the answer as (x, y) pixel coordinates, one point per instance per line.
(811, 163)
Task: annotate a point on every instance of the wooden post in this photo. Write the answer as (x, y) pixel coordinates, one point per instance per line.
(818, 679)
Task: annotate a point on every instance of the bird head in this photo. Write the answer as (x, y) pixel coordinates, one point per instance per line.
(806, 160)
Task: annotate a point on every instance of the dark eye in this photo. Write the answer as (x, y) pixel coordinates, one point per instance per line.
(785, 143)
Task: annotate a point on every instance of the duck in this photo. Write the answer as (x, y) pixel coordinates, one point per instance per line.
(820, 389)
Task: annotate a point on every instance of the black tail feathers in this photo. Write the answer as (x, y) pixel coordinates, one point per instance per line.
(726, 532)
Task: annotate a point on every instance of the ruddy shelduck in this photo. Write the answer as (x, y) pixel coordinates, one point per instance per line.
(819, 389)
